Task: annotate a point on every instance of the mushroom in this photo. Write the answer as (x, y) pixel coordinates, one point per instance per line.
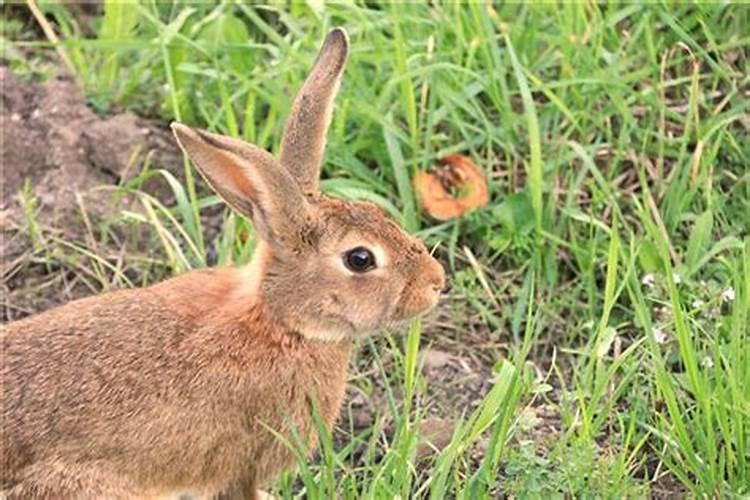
(456, 188)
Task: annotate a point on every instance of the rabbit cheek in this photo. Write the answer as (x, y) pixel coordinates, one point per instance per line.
(370, 302)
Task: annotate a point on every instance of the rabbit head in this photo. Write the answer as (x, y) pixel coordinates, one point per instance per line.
(327, 268)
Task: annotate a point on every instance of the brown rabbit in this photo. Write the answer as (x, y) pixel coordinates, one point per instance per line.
(174, 389)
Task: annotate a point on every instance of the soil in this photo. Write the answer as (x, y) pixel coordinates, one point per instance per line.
(52, 138)
(63, 153)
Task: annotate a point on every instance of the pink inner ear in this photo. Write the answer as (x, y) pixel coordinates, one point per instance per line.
(236, 177)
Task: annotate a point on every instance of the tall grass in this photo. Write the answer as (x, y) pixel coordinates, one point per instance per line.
(613, 261)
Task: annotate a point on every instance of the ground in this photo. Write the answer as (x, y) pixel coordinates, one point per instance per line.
(60, 154)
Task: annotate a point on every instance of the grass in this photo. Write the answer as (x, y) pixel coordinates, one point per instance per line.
(610, 273)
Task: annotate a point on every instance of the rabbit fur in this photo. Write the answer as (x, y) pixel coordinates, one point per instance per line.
(185, 387)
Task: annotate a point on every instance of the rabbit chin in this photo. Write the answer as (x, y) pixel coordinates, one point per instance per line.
(336, 329)
(328, 334)
(342, 328)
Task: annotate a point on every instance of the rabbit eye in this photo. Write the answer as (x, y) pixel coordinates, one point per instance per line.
(359, 260)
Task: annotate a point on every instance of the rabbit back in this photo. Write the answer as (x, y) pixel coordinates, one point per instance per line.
(164, 388)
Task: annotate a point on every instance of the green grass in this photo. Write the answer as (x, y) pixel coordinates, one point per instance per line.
(613, 261)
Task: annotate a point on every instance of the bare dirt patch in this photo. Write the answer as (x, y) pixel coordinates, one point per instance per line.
(57, 147)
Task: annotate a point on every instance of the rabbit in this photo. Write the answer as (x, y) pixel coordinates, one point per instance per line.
(186, 387)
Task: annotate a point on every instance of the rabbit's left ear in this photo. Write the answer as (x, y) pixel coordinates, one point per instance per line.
(305, 132)
(250, 180)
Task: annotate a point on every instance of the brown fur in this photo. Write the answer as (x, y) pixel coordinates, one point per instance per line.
(177, 388)
(134, 391)
(304, 136)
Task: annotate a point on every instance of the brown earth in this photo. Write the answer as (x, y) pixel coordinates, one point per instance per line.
(54, 144)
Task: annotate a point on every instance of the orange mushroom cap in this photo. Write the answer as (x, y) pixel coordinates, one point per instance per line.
(452, 190)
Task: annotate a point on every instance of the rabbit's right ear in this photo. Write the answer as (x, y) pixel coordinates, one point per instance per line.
(250, 180)
(305, 131)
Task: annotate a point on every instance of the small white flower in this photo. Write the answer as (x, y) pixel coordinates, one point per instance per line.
(648, 280)
(676, 278)
(707, 362)
(727, 295)
(659, 335)
(697, 304)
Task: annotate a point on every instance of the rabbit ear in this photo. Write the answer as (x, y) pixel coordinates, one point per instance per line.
(305, 132)
(249, 179)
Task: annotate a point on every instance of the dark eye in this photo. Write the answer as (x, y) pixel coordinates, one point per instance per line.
(359, 260)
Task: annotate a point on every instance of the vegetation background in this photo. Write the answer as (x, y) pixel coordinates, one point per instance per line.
(594, 341)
